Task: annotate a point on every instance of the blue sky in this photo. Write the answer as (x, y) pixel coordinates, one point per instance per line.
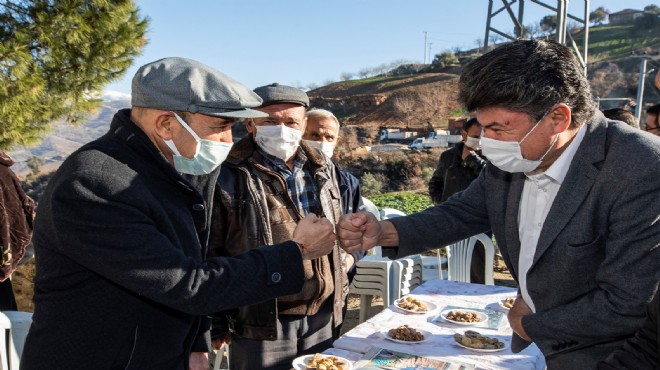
(304, 42)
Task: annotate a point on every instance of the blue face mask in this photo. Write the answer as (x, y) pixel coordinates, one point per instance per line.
(208, 154)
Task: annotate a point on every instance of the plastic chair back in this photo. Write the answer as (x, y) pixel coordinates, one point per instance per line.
(386, 213)
(459, 258)
(16, 325)
(370, 207)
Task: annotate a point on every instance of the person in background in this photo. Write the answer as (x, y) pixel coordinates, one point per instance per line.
(456, 169)
(120, 233)
(268, 184)
(623, 115)
(16, 217)
(571, 197)
(641, 352)
(322, 132)
(652, 123)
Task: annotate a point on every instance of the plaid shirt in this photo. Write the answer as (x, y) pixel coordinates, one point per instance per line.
(300, 182)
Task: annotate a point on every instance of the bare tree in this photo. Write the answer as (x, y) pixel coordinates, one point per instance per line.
(346, 76)
(363, 73)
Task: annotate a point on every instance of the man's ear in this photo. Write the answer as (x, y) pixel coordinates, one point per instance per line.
(249, 125)
(164, 125)
(464, 135)
(561, 117)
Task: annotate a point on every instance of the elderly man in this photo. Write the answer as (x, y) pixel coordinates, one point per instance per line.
(268, 183)
(571, 197)
(120, 233)
(322, 132)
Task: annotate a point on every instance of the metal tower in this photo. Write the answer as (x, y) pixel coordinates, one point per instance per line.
(563, 34)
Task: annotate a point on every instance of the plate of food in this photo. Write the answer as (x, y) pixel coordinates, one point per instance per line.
(474, 341)
(464, 316)
(507, 302)
(320, 361)
(414, 305)
(407, 335)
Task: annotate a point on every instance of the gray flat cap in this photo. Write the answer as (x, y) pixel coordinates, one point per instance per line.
(278, 94)
(190, 86)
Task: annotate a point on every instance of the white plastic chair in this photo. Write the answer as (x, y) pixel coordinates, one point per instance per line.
(16, 325)
(386, 213)
(459, 258)
(219, 354)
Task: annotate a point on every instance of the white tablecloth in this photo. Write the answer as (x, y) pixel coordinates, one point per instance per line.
(443, 293)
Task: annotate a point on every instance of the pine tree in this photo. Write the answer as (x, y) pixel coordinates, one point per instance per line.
(55, 57)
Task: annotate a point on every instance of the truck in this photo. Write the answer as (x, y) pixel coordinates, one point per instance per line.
(435, 139)
(395, 135)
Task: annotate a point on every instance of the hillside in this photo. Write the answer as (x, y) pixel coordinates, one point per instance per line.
(419, 101)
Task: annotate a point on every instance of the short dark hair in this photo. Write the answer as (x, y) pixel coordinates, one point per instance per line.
(469, 123)
(623, 115)
(528, 76)
(654, 110)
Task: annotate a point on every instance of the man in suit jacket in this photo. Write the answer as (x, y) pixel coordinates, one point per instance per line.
(571, 197)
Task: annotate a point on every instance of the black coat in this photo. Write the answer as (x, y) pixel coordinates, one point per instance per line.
(643, 350)
(121, 282)
(453, 174)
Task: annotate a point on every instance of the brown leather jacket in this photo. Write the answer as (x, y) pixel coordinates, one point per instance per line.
(16, 215)
(241, 223)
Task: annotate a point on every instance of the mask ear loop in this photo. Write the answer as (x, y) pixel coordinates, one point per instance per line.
(190, 130)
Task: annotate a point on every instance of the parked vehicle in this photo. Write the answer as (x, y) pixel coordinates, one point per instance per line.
(435, 139)
(395, 135)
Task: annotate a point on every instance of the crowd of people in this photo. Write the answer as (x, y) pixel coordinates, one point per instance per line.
(167, 237)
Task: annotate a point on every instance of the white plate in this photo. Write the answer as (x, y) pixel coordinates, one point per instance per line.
(300, 363)
(426, 334)
(483, 350)
(482, 317)
(501, 302)
(429, 306)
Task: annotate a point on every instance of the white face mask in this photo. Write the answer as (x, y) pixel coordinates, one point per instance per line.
(208, 154)
(507, 155)
(326, 147)
(473, 142)
(278, 140)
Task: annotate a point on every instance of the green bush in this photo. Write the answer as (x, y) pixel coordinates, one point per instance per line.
(405, 202)
(371, 184)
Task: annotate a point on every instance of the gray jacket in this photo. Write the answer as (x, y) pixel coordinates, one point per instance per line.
(597, 258)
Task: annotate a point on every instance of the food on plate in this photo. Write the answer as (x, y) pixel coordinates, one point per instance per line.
(412, 304)
(405, 333)
(508, 302)
(463, 316)
(320, 362)
(475, 340)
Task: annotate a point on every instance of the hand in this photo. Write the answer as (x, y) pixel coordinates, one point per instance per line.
(217, 343)
(316, 234)
(358, 231)
(516, 313)
(199, 361)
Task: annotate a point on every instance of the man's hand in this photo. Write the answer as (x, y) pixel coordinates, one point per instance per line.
(219, 342)
(316, 235)
(199, 361)
(358, 231)
(516, 313)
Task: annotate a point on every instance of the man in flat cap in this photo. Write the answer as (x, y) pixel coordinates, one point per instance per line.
(121, 233)
(268, 184)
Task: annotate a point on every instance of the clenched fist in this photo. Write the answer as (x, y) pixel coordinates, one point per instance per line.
(316, 235)
(358, 231)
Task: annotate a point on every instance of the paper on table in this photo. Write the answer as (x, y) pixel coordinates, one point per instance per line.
(388, 359)
(495, 318)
